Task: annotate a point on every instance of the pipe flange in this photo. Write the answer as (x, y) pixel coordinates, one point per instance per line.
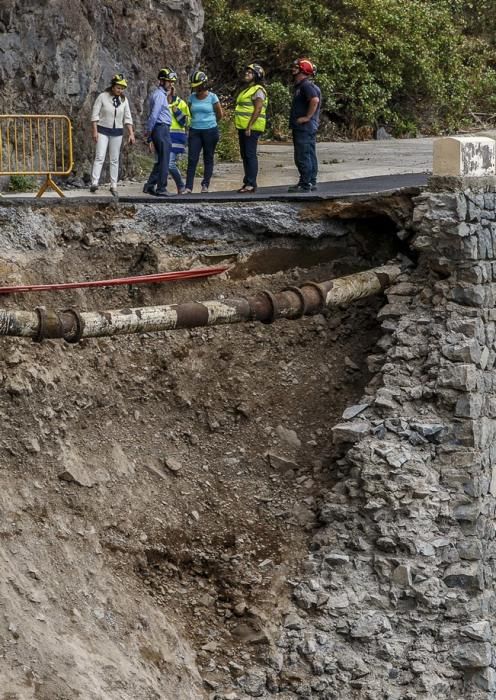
(41, 333)
(303, 302)
(76, 337)
(320, 292)
(273, 306)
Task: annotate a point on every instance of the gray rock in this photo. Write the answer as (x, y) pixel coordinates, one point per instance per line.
(173, 464)
(370, 625)
(353, 411)
(254, 682)
(77, 474)
(382, 135)
(281, 464)
(304, 598)
(350, 432)
(464, 575)
(293, 622)
(479, 631)
(402, 576)
(336, 558)
(472, 655)
(288, 436)
(485, 679)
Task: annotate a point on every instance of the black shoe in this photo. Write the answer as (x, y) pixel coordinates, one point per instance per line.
(93, 188)
(299, 188)
(162, 193)
(148, 190)
(313, 188)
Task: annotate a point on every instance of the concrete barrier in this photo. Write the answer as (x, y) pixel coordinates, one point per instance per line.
(464, 156)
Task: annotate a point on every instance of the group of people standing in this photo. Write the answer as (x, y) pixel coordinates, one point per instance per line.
(173, 122)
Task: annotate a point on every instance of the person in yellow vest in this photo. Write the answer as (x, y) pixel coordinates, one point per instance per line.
(250, 121)
(181, 118)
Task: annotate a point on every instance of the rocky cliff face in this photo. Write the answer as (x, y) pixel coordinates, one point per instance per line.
(56, 55)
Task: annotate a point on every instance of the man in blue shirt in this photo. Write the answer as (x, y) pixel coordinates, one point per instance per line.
(157, 131)
(304, 122)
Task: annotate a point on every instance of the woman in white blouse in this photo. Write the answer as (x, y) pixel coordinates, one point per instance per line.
(111, 113)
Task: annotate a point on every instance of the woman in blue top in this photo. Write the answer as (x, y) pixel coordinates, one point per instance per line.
(204, 133)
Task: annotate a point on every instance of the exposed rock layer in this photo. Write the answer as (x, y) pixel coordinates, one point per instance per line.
(56, 56)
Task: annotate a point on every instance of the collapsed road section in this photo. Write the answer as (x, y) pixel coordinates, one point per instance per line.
(173, 487)
(300, 510)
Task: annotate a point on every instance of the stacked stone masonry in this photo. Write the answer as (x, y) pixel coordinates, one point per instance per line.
(398, 597)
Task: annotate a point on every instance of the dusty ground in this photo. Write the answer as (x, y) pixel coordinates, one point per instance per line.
(159, 492)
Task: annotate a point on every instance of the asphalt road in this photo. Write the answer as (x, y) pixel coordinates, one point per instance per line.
(326, 190)
(346, 169)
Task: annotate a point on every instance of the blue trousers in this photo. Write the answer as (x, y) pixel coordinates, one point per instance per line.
(305, 156)
(174, 171)
(198, 140)
(160, 171)
(248, 150)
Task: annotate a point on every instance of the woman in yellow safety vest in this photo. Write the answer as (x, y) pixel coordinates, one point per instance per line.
(250, 121)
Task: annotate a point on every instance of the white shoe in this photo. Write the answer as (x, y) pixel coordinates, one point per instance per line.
(187, 191)
(204, 189)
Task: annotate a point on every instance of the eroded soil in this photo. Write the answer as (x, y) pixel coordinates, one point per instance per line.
(158, 492)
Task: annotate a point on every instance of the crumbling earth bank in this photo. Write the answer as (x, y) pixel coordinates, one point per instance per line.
(159, 493)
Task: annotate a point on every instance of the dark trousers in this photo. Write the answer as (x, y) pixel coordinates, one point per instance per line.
(198, 140)
(248, 150)
(305, 156)
(162, 143)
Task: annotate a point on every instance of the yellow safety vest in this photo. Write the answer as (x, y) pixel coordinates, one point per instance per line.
(245, 107)
(178, 103)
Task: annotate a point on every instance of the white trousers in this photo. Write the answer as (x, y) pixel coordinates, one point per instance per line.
(113, 143)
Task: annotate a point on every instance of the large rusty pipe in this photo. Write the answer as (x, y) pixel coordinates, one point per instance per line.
(290, 303)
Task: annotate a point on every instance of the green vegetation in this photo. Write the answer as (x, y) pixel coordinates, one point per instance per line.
(228, 146)
(23, 183)
(413, 65)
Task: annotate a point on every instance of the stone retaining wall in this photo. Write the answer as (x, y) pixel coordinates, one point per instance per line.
(398, 597)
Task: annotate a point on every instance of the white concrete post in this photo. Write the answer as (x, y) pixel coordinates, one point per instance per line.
(464, 156)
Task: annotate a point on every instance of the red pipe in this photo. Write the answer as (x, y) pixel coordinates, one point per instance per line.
(141, 279)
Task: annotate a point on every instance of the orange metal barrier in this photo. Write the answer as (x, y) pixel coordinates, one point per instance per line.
(36, 144)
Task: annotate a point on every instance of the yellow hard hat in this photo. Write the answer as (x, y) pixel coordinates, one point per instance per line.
(198, 78)
(118, 79)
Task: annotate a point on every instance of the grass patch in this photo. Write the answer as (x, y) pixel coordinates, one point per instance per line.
(22, 183)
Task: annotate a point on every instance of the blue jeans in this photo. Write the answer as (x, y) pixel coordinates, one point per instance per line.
(160, 171)
(198, 140)
(248, 150)
(305, 157)
(174, 170)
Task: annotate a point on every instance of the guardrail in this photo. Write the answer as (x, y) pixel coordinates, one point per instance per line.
(36, 144)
